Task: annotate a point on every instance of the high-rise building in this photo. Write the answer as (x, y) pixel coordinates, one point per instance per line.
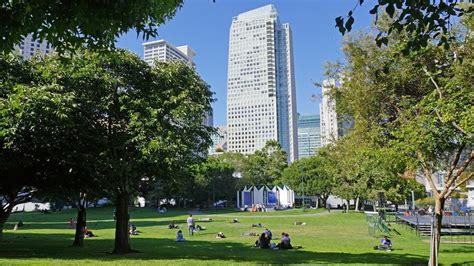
(261, 100)
(219, 141)
(329, 125)
(309, 135)
(165, 52)
(31, 46)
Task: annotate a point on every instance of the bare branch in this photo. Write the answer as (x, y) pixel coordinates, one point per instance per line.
(462, 181)
(458, 171)
(437, 87)
(454, 163)
(427, 173)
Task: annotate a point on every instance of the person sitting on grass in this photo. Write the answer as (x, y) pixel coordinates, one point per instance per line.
(285, 242)
(179, 236)
(199, 228)
(257, 225)
(234, 221)
(132, 230)
(88, 233)
(385, 244)
(268, 233)
(172, 225)
(262, 241)
(220, 235)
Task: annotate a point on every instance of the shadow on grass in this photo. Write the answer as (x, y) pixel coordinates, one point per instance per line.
(55, 246)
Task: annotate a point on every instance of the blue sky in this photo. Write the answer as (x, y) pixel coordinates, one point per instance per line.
(204, 25)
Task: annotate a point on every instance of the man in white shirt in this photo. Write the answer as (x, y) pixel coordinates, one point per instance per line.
(190, 222)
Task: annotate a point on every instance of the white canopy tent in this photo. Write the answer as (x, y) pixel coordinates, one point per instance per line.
(270, 196)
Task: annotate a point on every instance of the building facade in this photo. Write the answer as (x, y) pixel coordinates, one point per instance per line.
(31, 46)
(164, 52)
(261, 98)
(309, 135)
(327, 110)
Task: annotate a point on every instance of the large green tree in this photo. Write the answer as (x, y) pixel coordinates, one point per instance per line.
(265, 165)
(68, 25)
(214, 180)
(311, 176)
(16, 167)
(152, 119)
(419, 105)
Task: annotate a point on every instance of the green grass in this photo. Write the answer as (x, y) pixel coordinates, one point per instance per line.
(334, 238)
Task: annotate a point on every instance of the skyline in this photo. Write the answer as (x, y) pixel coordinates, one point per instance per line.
(204, 26)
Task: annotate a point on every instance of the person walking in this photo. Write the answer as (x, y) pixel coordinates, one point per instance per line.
(190, 222)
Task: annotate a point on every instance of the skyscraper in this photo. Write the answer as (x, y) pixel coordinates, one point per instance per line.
(329, 125)
(31, 46)
(165, 52)
(261, 100)
(309, 135)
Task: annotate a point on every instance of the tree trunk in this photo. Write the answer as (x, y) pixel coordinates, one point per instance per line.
(122, 243)
(439, 206)
(80, 226)
(356, 207)
(4, 214)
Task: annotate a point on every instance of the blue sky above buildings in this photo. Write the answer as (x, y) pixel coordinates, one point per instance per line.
(204, 25)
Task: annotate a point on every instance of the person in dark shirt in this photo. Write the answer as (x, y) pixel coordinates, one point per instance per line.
(263, 241)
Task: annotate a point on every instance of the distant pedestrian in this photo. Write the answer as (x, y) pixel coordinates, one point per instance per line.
(190, 222)
(328, 207)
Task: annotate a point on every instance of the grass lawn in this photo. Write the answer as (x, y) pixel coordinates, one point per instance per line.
(327, 238)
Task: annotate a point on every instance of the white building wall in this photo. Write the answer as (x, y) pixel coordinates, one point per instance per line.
(164, 52)
(328, 114)
(258, 94)
(30, 47)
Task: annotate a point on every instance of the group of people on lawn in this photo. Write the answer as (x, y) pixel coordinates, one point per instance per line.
(264, 239)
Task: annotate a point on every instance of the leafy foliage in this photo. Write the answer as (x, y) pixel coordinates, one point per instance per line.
(68, 25)
(423, 20)
(266, 165)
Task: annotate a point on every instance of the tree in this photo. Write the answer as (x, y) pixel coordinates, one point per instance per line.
(29, 120)
(16, 167)
(265, 165)
(419, 105)
(214, 179)
(75, 143)
(423, 20)
(69, 25)
(311, 176)
(151, 120)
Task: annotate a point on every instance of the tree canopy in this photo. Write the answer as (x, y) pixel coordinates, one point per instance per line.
(425, 21)
(68, 25)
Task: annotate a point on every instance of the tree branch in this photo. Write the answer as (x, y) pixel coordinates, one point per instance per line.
(454, 163)
(459, 171)
(437, 87)
(427, 173)
(471, 175)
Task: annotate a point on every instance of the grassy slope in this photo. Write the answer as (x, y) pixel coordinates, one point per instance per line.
(334, 238)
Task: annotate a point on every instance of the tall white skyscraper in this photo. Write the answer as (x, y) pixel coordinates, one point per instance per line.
(329, 130)
(165, 52)
(261, 100)
(30, 47)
